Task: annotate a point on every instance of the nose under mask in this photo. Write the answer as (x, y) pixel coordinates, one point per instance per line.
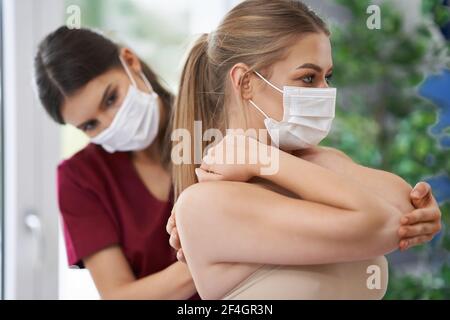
(307, 117)
(135, 126)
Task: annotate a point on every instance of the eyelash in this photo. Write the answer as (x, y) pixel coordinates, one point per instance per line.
(111, 99)
(312, 76)
(91, 125)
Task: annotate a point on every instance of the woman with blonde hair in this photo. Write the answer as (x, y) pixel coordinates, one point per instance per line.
(319, 226)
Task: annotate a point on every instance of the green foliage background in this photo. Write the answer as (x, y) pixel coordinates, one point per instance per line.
(383, 123)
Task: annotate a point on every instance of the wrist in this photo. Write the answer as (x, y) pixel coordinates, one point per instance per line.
(267, 161)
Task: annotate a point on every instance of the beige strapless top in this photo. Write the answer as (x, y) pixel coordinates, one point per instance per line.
(361, 280)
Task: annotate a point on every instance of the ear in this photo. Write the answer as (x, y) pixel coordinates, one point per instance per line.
(241, 81)
(131, 59)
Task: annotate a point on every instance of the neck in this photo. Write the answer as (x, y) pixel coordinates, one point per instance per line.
(235, 115)
(150, 154)
(252, 120)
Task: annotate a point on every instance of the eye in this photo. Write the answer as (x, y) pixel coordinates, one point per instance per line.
(308, 79)
(89, 126)
(111, 99)
(329, 78)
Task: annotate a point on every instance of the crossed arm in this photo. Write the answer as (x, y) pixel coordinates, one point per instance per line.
(421, 218)
(334, 207)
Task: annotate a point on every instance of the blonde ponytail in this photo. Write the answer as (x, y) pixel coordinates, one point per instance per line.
(256, 33)
(193, 103)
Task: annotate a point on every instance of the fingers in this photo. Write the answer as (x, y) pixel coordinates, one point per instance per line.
(175, 243)
(204, 176)
(174, 239)
(419, 229)
(405, 244)
(180, 256)
(170, 223)
(207, 163)
(420, 190)
(421, 195)
(420, 215)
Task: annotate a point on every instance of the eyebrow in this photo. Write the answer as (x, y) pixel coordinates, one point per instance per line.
(312, 66)
(102, 102)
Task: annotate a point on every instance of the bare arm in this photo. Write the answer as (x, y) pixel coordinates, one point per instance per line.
(335, 231)
(115, 280)
(248, 224)
(388, 186)
(321, 185)
(421, 219)
(334, 210)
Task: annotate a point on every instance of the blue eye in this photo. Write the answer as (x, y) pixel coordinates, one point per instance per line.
(308, 79)
(329, 78)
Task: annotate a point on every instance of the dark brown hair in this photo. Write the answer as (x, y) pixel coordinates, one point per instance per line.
(67, 59)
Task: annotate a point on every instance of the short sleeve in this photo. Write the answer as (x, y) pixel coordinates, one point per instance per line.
(87, 227)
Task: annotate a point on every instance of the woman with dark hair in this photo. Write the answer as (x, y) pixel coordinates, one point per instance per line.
(115, 195)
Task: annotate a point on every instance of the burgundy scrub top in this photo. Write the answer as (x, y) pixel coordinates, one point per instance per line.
(104, 202)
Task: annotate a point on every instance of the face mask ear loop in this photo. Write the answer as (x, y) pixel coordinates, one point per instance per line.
(268, 82)
(147, 83)
(259, 109)
(128, 71)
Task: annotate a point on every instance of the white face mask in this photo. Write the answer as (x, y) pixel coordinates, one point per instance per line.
(307, 119)
(135, 125)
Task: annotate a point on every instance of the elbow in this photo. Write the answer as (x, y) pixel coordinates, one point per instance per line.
(403, 201)
(382, 219)
(386, 238)
(380, 231)
(189, 208)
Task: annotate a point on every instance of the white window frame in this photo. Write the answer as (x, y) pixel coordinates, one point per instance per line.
(2, 273)
(32, 151)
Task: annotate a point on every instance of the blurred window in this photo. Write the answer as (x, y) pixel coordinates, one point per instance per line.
(1, 156)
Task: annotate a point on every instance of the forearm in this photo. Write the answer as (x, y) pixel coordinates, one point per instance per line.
(346, 235)
(318, 184)
(275, 229)
(369, 212)
(172, 283)
(386, 185)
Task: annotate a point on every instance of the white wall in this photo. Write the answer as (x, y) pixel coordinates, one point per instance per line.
(31, 155)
